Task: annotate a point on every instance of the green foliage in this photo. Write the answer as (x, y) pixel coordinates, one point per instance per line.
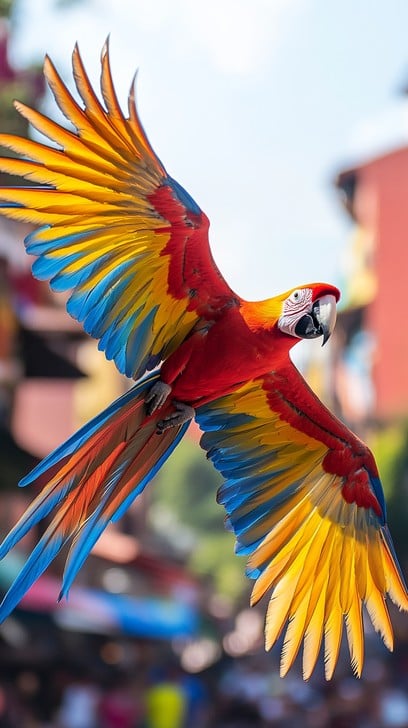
(391, 448)
(213, 556)
(188, 484)
(186, 489)
(5, 8)
(388, 444)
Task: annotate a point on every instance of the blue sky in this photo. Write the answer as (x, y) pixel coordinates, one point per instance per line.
(253, 107)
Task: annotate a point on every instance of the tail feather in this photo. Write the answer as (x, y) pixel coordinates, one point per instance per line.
(118, 496)
(94, 477)
(94, 426)
(45, 551)
(77, 458)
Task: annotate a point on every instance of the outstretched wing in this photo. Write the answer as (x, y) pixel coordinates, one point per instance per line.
(304, 499)
(116, 229)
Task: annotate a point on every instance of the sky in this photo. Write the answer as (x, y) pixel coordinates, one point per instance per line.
(254, 107)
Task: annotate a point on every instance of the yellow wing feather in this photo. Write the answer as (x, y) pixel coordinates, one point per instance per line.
(321, 557)
(115, 228)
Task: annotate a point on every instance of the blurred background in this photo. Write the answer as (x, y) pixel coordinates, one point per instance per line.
(287, 121)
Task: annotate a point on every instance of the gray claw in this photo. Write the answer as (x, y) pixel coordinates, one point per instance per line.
(184, 413)
(157, 396)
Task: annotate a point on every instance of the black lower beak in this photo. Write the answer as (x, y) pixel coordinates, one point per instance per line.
(307, 327)
(314, 324)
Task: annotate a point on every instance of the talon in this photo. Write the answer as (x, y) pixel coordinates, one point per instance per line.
(156, 396)
(184, 413)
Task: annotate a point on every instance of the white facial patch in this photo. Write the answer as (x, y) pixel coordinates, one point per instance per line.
(296, 305)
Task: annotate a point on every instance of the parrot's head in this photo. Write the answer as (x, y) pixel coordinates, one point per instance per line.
(309, 311)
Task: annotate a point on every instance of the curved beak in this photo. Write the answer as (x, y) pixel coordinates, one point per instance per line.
(326, 314)
(320, 321)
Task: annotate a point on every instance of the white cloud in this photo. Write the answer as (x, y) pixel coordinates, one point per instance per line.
(237, 35)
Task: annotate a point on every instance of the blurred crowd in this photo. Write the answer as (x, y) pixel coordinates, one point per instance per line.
(240, 693)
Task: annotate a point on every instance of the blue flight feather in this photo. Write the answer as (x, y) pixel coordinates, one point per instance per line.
(96, 524)
(41, 556)
(36, 246)
(82, 435)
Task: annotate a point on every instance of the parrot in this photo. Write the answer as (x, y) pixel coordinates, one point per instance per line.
(130, 247)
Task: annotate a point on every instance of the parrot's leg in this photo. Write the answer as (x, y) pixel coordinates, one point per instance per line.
(157, 396)
(184, 413)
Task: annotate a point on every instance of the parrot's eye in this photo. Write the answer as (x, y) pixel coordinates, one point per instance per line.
(295, 295)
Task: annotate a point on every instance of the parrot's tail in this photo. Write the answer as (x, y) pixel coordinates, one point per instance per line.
(91, 479)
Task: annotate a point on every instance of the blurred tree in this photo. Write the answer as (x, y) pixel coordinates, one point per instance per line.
(186, 492)
(5, 8)
(398, 496)
(391, 448)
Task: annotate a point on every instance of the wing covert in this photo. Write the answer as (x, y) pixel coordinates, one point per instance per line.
(304, 499)
(115, 229)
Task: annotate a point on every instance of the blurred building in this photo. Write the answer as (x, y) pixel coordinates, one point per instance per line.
(371, 377)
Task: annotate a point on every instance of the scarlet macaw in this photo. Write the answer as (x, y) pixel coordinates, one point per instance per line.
(302, 492)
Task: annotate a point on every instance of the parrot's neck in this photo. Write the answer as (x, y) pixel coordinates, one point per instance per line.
(261, 314)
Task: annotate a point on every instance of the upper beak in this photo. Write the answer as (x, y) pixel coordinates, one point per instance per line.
(325, 312)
